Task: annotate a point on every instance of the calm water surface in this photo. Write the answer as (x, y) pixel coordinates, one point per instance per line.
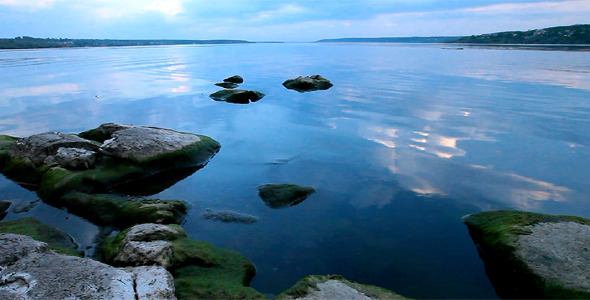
(409, 139)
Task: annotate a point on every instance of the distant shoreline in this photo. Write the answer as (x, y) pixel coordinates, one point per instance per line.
(41, 43)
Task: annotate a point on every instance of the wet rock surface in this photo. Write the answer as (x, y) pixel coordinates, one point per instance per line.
(36, 148)
(29, 270)
(4, 205)
(284, 195)
(227, 85)
(531, 255)
(229, 216)
(237, 96)
(308, 83)
(334, 287)
(234, 79)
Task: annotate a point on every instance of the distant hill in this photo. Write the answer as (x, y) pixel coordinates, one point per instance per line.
(414, 39)
(27, 42)
(575, 34)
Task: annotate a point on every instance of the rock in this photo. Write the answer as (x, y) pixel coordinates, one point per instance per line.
(283, 195)
(229, 216)
(153, 283)
(234, 79)
(24, 206)
(57, 240)
(237, 96)
(73, 158)
(335, 287)
(4, 205)
(201, 271)
(308, 83)
(531, 255)
(227, 85)
(36, 148)
(29, 270)
(145, 253)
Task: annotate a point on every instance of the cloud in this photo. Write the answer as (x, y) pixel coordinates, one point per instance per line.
(31, 5)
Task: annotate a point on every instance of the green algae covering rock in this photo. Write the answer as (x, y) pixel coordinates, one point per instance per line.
(57, 240)
(335, 287)
(89, 172)
(201, 270)
(531, 255)
(284, 195)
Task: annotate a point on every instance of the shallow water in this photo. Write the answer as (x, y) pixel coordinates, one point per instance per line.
(409, 139)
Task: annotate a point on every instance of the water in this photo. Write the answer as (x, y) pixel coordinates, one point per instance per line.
(409, 139)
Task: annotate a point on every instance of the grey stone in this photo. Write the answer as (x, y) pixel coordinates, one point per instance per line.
(308, 83)
(36, 148)
(73, 158)
(558, 252)
(154, 232)
(15, 246)
(227, 85)
(145, 253)
(139, 143)
(153, 283)
(238, 96)
(234, 79)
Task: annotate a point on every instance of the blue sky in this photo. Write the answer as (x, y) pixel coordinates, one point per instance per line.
(266, 20)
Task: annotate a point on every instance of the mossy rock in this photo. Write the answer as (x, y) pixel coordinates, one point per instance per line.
(335, 286)
(201, 270)
(120, 212)
(284, 195)
(499, 236)
(57, 240)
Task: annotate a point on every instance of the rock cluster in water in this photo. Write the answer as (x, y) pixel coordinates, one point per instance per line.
(531, 255)
(238, 96)
(308, 83)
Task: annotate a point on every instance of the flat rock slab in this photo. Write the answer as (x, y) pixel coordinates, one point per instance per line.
(530, 255)
(308, 83)
(32, 271)
(237, 96)
(234, 79)
(316, 287)
(227, 85)
(229, 216)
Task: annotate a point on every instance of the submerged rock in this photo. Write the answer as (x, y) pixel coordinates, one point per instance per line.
(227, 85)
(229, 216)
(335, 287)
(234, 79)
(308, 83)
(283, 195)
(201, 271)
(30, 270)
(237, 96)
(531, 255)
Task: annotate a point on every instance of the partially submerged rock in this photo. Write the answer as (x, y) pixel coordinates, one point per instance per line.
(57, 240)
(283, 195)
(335, 287)
(238, 96)
(201, 271)
(227, 85)
(234, 79)
(77, 171)
(308, 83)
(229, 216)
(531, 255)
(4, 205)
(30, 270)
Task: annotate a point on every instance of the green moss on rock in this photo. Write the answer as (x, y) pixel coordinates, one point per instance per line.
(496, 233)
(57, 240)
(283, 195)
(309, 285)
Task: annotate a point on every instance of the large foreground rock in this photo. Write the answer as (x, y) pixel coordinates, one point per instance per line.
(308, 83)
(334, 287)
(88, 173)
(56, 240)
(530, 255)
(30, 270)
(201, 271)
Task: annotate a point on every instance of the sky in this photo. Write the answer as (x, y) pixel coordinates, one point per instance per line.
(280, 20)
